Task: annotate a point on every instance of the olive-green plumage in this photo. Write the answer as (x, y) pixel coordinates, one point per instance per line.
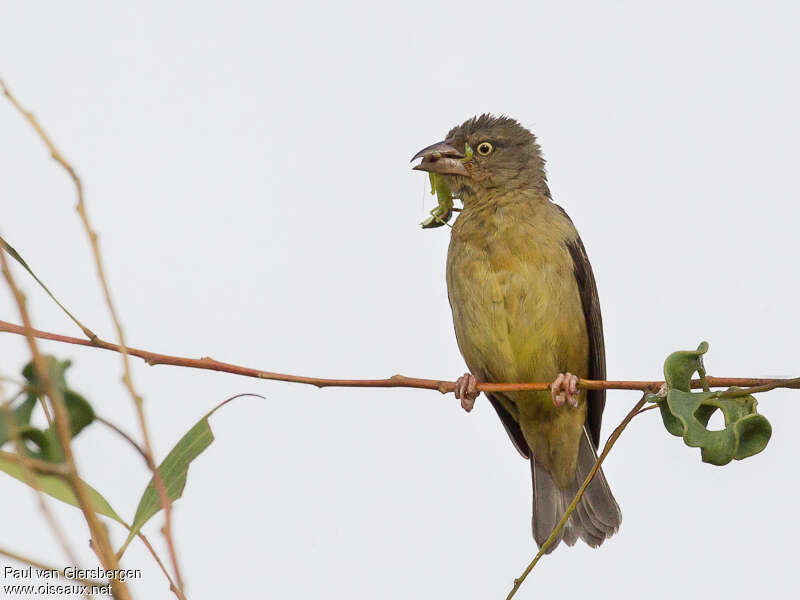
(518, 316)
(525, 308)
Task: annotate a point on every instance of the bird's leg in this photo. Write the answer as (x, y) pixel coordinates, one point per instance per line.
(467, 390)
(565, 389)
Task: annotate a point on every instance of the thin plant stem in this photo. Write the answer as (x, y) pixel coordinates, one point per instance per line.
(127, 378)
(99, 535)
(395, 381)
(560, 525)
(121, 433)
(173, 588)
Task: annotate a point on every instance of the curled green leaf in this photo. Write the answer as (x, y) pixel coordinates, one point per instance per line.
(681, 365)
(686, 414)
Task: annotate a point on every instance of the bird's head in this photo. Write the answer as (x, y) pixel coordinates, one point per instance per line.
(486, 154)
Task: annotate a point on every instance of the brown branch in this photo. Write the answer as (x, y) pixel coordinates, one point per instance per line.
(173, 588)
(764, 387)
(99, 535)
(121, 433)
(606, 449)
(127, 377)
(646, 408)
(443, 386)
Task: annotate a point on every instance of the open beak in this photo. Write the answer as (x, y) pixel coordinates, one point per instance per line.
(441, 158)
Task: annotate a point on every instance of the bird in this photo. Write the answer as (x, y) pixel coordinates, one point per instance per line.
(525, 308)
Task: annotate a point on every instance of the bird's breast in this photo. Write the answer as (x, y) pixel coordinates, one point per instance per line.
(516, 306)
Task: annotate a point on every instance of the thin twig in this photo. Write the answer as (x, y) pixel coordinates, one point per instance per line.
(173, 588)
(46, 411)
(609, 444)
(119, 431)
(646, 408)
(99, 535)
(759, 388)
(443, 386)
(14, 254)
(127, 375)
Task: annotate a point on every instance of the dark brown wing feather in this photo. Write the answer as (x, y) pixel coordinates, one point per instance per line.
(511, 425)
(596, 399)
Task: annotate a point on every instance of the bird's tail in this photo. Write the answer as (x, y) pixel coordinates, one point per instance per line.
(595, 518)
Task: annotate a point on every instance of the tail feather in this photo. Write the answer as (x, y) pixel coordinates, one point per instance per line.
(589, 533)
(601, 506)
(596, 517)
(547, 508)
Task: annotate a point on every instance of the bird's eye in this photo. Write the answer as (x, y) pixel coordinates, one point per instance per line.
(484, 148)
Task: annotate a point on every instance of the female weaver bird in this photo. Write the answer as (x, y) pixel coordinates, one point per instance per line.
(525, 308)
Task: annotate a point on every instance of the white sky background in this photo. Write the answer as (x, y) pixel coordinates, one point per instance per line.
(247, 169)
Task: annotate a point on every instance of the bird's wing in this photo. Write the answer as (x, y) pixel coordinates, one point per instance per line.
(511, 425)
(595, 399)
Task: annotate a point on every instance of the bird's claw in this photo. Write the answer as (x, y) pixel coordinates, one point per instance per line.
(467, 390)
(564, 389)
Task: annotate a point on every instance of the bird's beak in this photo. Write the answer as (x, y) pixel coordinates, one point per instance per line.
(441, 158)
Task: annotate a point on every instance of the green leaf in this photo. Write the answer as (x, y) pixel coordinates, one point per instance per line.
(686, 414)
(16, 256)
(681, 365)
(174, 470)
(80, 411)
(672, 423)
(22, 417)
(46, 443)
(56, 487)
(56, 370)
(24, 410)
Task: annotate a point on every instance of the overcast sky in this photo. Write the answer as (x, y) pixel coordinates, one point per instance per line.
(247, 169)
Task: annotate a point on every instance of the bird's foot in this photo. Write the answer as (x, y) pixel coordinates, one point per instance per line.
(565, 390)
(467, 390)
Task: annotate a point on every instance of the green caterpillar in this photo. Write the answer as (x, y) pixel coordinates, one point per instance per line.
(443, 211)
